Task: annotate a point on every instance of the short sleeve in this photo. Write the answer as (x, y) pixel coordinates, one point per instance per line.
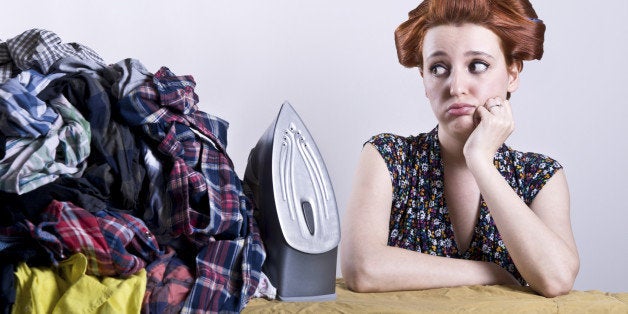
(393, 150)
(538, 169)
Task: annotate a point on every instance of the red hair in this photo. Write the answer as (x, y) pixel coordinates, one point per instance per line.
(514, 21)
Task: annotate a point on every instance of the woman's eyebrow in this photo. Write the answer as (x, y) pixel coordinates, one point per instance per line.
(471, 53)
(474, 53)
(438, 53)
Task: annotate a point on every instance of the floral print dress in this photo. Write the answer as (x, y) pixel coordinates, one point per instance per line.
(419, 219)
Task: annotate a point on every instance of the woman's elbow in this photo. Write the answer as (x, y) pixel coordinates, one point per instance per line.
(554, 289)
(358, 276)
(558, 284)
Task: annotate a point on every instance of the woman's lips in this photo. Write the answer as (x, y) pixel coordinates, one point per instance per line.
(460, 109)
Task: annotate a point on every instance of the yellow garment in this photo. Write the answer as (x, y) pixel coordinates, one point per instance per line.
(67, 289)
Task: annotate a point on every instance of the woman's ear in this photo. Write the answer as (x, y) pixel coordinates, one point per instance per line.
(513, 75)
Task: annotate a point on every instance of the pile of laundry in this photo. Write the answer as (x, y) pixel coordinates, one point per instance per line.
(116, 191)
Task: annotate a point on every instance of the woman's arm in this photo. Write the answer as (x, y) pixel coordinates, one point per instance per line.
(539, 238)
(369, 264)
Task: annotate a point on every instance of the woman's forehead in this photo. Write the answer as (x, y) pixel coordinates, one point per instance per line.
(460, 40)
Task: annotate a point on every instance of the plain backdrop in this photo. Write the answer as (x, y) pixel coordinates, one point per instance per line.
(336, 63)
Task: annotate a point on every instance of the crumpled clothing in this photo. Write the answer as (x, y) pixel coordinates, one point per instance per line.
(265, 288)
(39, 49)
(169, 280)
(115, 244)
(22, 114)
(3, 145)
(195, 141)
(114, 162)
(125, 76)
(155, 201)
(7, 287)
(30, 205)
(209, 206)
(48, 140)
(69, 289)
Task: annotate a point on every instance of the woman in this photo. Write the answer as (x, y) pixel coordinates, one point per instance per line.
(456, 206)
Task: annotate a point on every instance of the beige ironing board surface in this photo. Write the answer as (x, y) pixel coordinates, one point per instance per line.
(467, 299)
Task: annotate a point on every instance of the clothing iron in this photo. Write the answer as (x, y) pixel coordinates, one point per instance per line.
(297, 211)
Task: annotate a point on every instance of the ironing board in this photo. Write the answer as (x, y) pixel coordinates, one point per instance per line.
(468, 299)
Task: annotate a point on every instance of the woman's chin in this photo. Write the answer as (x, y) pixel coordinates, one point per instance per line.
(460, 127)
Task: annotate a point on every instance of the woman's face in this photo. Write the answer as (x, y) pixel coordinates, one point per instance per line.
(463, 67)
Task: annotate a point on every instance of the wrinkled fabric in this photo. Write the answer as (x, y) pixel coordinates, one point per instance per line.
(126, 76)
(265, 288)
(7, 287)
(158, 158)
(72, 64)
(169, 280)
(156, 202)
(16, 208)
(52, 139)
(166, 112)
(39, 49)
(7, 69)
(22, 114)
(115, 244)
(70, 289)
(113, 164)
(3, 145)
(16, 246)
(209, 206)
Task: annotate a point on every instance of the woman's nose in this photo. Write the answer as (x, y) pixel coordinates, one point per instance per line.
(458, 83)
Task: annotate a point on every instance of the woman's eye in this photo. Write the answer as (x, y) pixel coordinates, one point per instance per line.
(478, 67)
(438, 70)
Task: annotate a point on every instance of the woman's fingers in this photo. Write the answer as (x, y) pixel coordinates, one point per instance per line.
(495, 105)
(494, 124)
(500, 111)
(479, 114)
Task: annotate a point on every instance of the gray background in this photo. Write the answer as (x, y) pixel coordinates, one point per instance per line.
(335, 62)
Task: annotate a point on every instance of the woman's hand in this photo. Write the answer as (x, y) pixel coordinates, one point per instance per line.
(494, 123)
(538, 235)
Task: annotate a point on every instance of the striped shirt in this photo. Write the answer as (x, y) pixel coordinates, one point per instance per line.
(44, 140)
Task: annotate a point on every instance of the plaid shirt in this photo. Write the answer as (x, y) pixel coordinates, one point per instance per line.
(209, 206)
(169, 281)
(38, 49)
(106, 238)
(45, 140)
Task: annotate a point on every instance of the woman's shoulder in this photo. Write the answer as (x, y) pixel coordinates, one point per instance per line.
(386, 139)
(532, 161)
(397, 141)
(529, 171)
(400, 152)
